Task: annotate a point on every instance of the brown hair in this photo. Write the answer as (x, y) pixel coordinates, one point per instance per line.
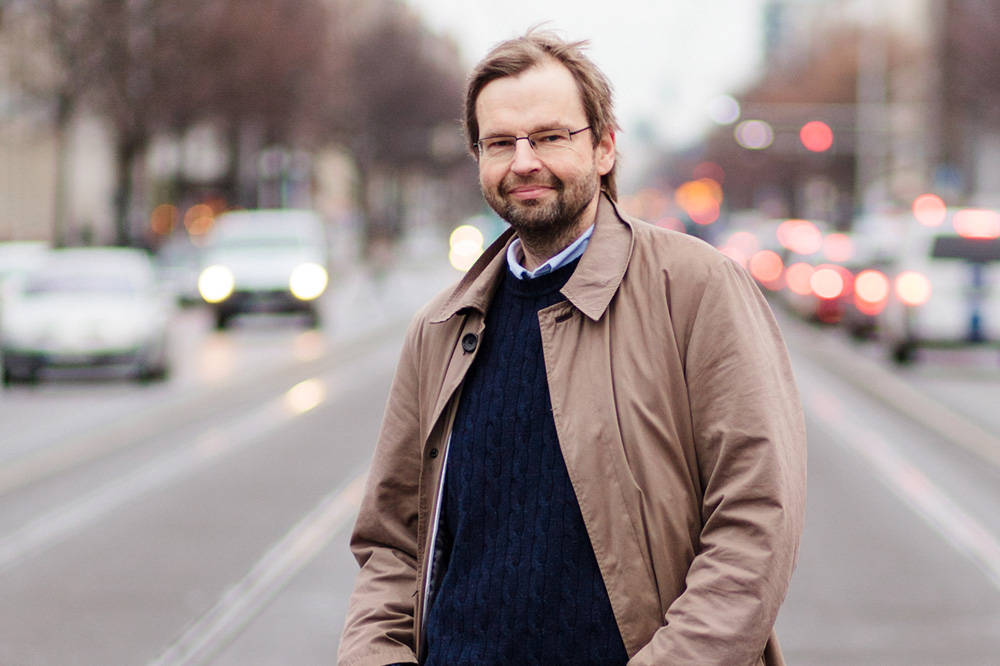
(515, 56)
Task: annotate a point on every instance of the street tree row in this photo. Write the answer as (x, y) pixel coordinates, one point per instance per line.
(301, 74)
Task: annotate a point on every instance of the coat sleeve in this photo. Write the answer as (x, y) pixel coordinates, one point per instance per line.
(751, 452)
(379, 628)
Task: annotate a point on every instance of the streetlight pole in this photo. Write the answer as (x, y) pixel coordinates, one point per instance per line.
(871, 186)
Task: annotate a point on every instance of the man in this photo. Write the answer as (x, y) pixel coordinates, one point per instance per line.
(593, 450)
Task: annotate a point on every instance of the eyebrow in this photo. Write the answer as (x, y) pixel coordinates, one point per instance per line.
(538, 128)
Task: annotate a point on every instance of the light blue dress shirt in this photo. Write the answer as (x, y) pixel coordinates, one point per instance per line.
(572, 252)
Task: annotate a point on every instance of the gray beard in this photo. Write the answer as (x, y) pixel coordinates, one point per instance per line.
(545, 227)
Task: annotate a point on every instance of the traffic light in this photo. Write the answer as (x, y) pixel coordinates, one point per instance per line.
(816, 136)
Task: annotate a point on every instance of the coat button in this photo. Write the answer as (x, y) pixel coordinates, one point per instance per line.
(469, 341)
(433, 453)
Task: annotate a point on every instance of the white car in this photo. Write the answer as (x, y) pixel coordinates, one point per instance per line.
(20, 256)
(17, 258)
(265, 261)
(945, 285)
(86, 307)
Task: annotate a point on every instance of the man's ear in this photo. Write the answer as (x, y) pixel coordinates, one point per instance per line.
(605, 153)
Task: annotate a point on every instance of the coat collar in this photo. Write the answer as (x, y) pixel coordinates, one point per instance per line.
(591, 287)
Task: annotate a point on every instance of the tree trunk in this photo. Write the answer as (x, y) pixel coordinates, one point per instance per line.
(60, 195)
(126, 156)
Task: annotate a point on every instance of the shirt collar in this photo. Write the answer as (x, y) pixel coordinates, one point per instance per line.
(572, 252)
(590, 288)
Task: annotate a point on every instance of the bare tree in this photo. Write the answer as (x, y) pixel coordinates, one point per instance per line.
(289, 73)
(54, 73)
(268, 59)
(234, 61)
(405, 86)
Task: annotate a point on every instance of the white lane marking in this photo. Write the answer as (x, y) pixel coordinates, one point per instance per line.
(245, 600)
(913, 487)
(211, 446)
(867, 375)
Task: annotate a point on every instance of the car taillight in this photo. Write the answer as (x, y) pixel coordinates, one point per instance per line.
(797, 278)
(801, 236)
(913, 288)
(828, 282)
(975, 223)
(767, 267)
(871, 290)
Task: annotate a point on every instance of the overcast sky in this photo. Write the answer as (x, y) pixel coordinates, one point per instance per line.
(665, 58)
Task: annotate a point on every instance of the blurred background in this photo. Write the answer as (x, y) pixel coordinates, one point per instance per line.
(217, 216)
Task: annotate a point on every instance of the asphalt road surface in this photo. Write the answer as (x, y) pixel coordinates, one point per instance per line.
(205, 520)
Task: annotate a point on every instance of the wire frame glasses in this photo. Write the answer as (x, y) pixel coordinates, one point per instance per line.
(543, 142)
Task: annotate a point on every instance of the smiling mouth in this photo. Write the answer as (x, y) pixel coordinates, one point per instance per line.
(530, 191)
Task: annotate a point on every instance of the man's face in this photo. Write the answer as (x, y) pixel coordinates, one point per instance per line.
(541, 195)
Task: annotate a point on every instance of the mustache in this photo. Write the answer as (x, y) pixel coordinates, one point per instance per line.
(512, 181)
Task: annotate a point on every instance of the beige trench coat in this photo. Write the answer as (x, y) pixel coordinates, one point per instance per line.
(680, 423)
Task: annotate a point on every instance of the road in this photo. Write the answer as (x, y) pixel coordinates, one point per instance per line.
(900, 560)
(205, 520)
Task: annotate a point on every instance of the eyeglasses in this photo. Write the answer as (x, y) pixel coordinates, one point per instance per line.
(543, 142)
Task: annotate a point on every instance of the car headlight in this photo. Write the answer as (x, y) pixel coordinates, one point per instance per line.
(308, 281)
(216, 283)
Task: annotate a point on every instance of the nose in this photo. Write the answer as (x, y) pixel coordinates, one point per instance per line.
(525, 160)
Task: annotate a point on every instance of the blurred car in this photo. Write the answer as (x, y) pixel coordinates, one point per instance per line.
(944, 285)
(876, 244)
(265, 261)
(844, 284)
(178, 264)
(819, 286)
(86, 307)
(19, 256)
(770, 246)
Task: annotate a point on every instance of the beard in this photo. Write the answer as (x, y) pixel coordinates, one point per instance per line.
(544, 223)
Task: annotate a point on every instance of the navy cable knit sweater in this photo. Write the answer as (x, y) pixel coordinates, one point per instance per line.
(522, 584)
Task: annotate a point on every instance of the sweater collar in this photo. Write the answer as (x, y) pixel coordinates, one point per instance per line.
(590, 289)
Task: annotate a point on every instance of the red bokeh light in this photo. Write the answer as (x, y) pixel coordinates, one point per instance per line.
(838, 247)
(766, 266)
(930, 210)
(977, 223)
(800, 236)
(797, 278)
(816, 136)
(871, 291)
(828, 281)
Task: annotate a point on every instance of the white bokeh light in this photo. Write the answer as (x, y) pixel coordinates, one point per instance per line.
(724, 110)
